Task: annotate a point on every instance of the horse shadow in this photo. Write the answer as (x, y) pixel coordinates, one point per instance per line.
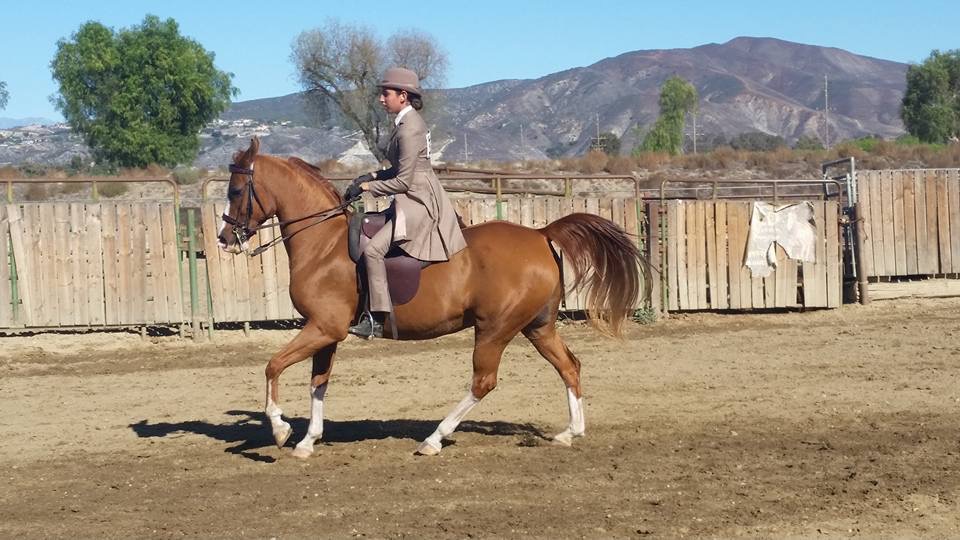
(251, 431)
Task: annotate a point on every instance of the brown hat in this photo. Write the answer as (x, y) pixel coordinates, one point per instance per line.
(400, 78)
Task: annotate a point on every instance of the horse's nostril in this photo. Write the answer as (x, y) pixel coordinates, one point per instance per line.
(222, 239)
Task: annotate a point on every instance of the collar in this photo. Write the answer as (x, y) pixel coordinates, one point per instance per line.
(403, 111)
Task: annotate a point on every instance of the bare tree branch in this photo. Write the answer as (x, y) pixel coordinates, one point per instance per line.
(343, 63)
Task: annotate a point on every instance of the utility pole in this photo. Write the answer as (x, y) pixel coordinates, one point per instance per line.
(694, 132)
(523, 144)
(466, 153)
(598, 144)
(826, 113)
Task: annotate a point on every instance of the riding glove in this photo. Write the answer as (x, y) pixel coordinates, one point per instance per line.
(353, 192)
(368, 177)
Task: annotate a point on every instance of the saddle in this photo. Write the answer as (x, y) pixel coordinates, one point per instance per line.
(403, 271)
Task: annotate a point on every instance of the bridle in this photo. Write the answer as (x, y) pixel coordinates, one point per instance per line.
(243, 232)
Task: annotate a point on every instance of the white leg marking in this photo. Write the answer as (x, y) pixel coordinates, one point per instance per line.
(281, 429)
(315, 430)
(431, 446)
(577, 424)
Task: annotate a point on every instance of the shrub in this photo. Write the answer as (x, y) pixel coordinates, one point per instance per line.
(651, 160)
(620, 165)
(186, 176)
(112, 189)
(36, 192)
(593, 162)
(807, 142)
(32, 170)
(756, 140)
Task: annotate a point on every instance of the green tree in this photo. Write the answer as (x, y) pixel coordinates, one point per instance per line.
(931, 103)
(677, 98)
(806, 142)
(342, 64)
(4, 95)
(139, 95)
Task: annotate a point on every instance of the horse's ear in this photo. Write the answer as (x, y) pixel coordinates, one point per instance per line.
(254, 147)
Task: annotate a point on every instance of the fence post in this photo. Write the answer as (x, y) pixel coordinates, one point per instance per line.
(655, 274)
(499, 198)
(194, 293)
(859, 238)
(14, 287)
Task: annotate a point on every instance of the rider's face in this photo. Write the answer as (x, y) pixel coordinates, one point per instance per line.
(393, 100)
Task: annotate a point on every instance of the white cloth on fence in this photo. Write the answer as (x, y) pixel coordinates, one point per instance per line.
(792, 226)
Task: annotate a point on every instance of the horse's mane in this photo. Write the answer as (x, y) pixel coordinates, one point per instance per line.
(244, 158)
(317, 175)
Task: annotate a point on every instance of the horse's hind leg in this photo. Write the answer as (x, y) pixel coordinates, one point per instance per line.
(486, 361)
(550, 346)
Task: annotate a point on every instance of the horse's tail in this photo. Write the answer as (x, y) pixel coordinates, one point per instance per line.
(606, 261)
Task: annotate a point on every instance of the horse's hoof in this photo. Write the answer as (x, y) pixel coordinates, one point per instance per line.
(565, 438)
(301, 453)
(281, 437)
(427, 449)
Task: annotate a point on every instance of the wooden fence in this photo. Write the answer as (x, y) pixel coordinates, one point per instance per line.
(125, 264)
(705, 244)
(255, 288)
(76, 264)
(911, 232)
(911, 221)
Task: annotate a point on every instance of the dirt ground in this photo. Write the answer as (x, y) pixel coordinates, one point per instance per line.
(838, 423)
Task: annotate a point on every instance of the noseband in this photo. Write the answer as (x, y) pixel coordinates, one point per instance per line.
(243, 232)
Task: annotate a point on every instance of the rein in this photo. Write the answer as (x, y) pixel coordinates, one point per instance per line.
(243, 232)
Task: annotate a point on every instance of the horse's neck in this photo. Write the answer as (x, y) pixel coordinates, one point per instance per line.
(311, 244)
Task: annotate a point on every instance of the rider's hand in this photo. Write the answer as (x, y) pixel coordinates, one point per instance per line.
(353, 192)
(363, 178)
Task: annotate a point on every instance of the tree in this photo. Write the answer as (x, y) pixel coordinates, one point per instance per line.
(677, 98)
(343, 64)
(609, 144)
(139, 95)
(931, 103)
(806, 142)
(4, 95)
(757, 141)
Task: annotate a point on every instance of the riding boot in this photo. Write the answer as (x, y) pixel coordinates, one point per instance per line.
(368, 326)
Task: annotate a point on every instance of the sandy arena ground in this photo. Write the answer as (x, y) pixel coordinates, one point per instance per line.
(831, 424)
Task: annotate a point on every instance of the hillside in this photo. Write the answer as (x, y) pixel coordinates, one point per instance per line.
(746, 84)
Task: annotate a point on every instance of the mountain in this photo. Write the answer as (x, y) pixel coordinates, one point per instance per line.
(747, 84)
(7, 123)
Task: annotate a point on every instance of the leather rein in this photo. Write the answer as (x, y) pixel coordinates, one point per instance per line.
(243, 232)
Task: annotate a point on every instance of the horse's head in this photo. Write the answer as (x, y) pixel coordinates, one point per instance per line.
(249, 203)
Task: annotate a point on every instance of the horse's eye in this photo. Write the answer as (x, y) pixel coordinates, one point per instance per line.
(233, 193)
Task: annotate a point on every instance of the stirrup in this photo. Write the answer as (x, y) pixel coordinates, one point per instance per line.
(367, 327)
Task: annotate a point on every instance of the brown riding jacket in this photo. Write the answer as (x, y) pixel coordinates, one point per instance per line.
(426, 223)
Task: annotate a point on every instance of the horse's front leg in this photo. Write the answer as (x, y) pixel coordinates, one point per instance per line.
(322, 366)
(308, 342)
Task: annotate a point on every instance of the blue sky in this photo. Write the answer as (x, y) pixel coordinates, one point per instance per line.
(485, 41)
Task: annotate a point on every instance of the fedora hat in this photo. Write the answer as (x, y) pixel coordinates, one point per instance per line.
(400, 78)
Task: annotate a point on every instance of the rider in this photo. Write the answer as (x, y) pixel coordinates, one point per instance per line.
(425, 222)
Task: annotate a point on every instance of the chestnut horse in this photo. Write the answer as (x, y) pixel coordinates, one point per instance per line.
(507, 281)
